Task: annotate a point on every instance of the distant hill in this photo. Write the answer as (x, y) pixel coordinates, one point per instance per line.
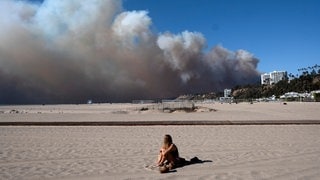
(306, 82)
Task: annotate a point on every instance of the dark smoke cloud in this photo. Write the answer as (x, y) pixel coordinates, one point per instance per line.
(70, 51)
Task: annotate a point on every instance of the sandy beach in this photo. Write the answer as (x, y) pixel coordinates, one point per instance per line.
(124, 152)
(132, 112)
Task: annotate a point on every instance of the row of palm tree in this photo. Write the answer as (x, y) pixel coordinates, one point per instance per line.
(310, 69)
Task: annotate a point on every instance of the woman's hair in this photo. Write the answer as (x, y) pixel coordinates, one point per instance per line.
(167, 141)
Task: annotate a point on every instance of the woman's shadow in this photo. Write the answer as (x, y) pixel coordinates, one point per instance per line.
(194, 160)
(183, 162)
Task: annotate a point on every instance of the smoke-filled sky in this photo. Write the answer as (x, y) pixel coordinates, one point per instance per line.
(58, 51)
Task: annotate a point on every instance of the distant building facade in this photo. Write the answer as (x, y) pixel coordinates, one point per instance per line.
(227, 98)
(273, 77)
(265, 78)
(227, 93)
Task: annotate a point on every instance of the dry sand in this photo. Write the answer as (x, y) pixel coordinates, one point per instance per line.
(130, 112)
(122, 152)
(101, 152)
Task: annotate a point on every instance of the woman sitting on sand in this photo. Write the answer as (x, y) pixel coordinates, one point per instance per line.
(169, 154)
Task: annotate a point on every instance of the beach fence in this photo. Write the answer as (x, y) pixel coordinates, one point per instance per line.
(143, 101)
(172, 105)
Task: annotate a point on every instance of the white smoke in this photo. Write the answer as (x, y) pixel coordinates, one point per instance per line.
(182, 50)
(70, 51)
(131, 27)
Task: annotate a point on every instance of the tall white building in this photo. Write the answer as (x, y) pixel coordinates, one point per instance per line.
(265, 78)
(227, 93)
(273, 77)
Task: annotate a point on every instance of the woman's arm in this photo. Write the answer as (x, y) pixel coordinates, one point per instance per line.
(172, 147)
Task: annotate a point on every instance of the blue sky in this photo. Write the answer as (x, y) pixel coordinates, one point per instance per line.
(284, 35)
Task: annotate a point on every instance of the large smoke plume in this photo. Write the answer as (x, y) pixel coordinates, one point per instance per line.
(69, 51)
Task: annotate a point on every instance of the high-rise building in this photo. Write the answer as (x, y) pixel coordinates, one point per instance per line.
(273, 77)
(227, 93)
(265, 78)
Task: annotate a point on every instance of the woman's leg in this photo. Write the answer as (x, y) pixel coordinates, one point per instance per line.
(161, 158)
